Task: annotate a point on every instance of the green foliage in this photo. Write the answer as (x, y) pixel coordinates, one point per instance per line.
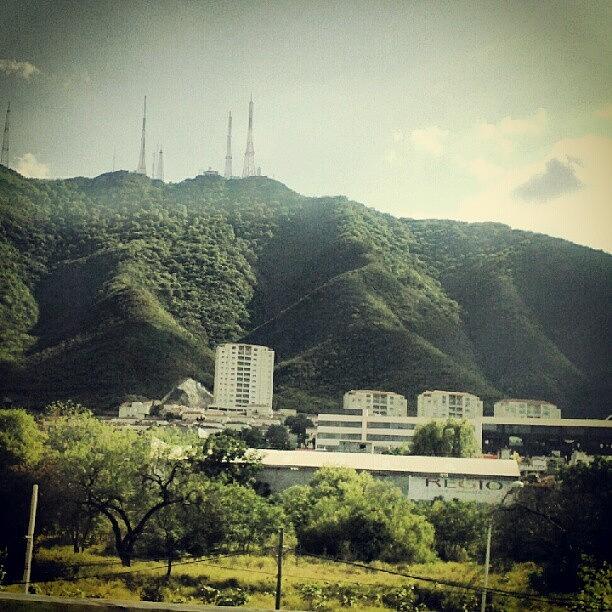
(120, 285)
(298, 425)
(460, 528)
(21, 442)
(353, 516)
(277, 436)
(557, 526)
(225, 457)
(401, 598)
(450, 439)
(125, 477)
(596, 587)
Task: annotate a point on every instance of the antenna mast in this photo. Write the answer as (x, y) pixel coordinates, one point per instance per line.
(4, 156)
(249, 154)
(228, 157)
(142, 164)
(160, 165)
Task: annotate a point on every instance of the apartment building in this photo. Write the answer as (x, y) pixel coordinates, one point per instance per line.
(526, 409)
(383, 403)
(244, 378)
(449, 405)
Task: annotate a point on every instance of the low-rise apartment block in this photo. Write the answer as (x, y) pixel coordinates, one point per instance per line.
(449, 405)
(383, 403)
(526, 409)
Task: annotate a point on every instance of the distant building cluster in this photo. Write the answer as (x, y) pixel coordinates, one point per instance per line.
(528, 438)
(242, 396)
(377, 421)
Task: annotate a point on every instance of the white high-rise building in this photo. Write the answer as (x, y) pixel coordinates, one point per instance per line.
(449, 405)
(526, 409)
(384, 403)
(243, 378)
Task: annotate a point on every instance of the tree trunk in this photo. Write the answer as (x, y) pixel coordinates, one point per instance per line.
(169, 567)
(125, 552)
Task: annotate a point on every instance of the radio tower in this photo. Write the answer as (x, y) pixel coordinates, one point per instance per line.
(160, 165)
(228, 157)
(142, 164)
(249, 154)
(4, 156)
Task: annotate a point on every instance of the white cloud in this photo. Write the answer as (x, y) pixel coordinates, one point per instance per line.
(503, 132)
(581, 215)
(605, 112)
(28, 165)
(12, 67)
(429, 139)
(483, 169)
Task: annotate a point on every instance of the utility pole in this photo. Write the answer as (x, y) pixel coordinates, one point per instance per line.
(30, 539)
(483, 603)
(279, 570)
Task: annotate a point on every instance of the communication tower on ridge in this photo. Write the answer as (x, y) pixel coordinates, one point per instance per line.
(142, 164)
(228, 156)
(4, 156)
(249, 154)
(160, 164)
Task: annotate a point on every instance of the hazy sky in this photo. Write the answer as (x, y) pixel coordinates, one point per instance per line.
(472, 111)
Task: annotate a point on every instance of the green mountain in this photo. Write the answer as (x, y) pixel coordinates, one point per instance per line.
(119, 286)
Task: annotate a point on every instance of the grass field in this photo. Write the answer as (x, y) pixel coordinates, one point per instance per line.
(308, 583)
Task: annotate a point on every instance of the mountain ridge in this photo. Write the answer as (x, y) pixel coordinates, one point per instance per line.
(117, 286)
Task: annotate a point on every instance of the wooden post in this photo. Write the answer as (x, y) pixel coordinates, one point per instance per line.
(279, 570)
(30, 539)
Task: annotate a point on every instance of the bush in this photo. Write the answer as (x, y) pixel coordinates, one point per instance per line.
(401, 598)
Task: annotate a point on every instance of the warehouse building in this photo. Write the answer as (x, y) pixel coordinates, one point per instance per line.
(419, 478)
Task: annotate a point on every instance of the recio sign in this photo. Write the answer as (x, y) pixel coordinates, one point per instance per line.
(471, 484)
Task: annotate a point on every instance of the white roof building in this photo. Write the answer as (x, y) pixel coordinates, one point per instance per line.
(484, 480)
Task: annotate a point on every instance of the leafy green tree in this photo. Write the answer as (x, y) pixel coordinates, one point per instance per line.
(450, 439)
(124, 476)
(277, 436)
(217, 517)
(557, 526)
(349, 515)
(226, 457)
(21, 451)
(252, 437)
(460, 528)
(21, 441)
(298, 425)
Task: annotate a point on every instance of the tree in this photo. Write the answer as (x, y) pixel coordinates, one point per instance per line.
(460, 528)
(353, 516)
(298, 425)
(226, 457)
(559, 525)
(450, 439)
(21, 441)
(218, 516)
(252, 437)
(128, 478)
(21, 450)
(277, 436)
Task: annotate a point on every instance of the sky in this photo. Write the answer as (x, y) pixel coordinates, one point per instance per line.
(476, 111)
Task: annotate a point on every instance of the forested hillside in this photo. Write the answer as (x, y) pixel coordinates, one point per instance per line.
(119, 286)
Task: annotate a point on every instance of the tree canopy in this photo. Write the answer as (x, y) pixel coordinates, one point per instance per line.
(450, 439)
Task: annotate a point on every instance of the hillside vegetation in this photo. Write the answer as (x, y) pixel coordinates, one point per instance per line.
(120, 286)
